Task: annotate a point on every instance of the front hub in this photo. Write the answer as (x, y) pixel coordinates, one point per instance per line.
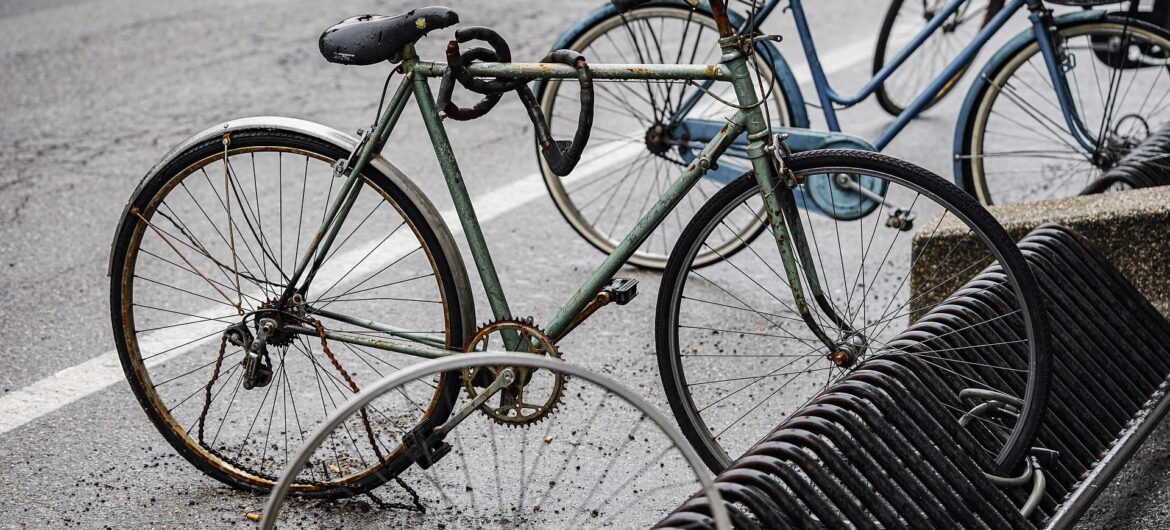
(848, 351)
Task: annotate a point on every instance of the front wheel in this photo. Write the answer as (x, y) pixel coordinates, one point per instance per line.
(903, 22)
(209, 243)
(1015, 145)
(737, 359)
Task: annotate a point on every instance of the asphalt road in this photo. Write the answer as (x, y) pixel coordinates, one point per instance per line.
(95, 91)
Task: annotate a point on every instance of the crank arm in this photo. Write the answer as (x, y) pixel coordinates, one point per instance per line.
(896, 217)
(852, 185)
(507, 377)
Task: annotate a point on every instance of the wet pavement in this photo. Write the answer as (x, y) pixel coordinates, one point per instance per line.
(95, 91)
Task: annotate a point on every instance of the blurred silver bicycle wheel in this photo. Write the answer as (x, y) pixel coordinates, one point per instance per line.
(597, 456)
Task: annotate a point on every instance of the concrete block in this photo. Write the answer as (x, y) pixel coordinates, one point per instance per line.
(1131, 228)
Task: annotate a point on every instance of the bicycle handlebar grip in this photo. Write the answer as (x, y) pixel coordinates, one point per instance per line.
(444, 102)
(562, 156)
(503, 54)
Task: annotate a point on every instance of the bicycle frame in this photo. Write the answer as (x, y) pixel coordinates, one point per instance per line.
(779, 204)
(830, 99)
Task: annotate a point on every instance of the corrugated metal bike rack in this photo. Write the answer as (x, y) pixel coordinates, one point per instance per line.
(873, 451)
(1144, 166)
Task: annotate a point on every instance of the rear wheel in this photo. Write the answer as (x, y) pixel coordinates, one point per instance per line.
(1016, 145)
(736, 357)
(637, 150)
(210, 242)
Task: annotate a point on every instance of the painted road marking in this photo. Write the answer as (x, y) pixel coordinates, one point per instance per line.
(71, 384)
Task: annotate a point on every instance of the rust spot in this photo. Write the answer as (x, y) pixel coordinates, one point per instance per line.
(637, 70)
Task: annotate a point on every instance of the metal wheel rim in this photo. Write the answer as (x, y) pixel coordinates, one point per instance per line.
(555, 183)
(983, 113)
(680, 371)
(143, 372)
(457, 362)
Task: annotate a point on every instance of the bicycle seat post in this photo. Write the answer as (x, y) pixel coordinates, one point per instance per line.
(719, 13)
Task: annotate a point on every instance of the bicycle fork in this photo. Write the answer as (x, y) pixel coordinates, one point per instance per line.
(776, 181)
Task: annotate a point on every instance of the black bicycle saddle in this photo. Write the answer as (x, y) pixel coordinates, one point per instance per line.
(369, 39)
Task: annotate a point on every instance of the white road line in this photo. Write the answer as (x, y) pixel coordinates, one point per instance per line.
(72, 384)
(76, 382)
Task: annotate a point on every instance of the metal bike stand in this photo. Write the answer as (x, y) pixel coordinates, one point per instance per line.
(1145, 165)
(1111, 464)
(874, 450)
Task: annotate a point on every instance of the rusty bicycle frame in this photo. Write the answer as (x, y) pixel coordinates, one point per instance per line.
(779, 202)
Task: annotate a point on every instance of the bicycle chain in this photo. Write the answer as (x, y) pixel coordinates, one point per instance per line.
(211, 383)
(414, 496)
(352, 386)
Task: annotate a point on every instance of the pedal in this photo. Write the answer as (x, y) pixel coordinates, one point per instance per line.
(424, 446)
(622, 290)
(899, 219)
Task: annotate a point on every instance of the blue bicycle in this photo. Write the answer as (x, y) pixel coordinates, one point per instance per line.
(1052, 109)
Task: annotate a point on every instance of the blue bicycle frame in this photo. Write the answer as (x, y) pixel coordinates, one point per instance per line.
(830, 99)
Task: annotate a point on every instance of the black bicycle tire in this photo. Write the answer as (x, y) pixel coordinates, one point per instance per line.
(670, 291)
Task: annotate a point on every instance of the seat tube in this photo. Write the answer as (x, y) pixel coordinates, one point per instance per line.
(778, 197)
(463, 206)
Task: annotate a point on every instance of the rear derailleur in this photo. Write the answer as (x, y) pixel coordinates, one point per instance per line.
(257, 364)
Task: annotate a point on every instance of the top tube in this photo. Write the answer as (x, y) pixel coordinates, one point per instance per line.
(874, 82)
(716, 72)
(829, 98)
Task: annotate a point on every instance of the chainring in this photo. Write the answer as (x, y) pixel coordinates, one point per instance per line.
(511, 409)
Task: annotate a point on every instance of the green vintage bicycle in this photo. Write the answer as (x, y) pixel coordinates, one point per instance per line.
(267, 269)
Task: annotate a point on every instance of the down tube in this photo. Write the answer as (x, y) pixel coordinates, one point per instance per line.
(677, 190)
